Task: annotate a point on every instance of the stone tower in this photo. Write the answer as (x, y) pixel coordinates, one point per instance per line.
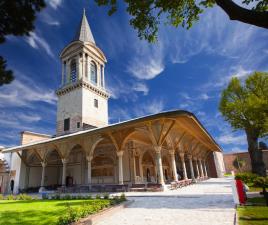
(82, 97)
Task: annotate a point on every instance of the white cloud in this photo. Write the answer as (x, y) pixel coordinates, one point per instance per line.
(146, 108)
(238, 149)
(147, 65)
(38, 42)
(232, 139)
(126, 90)
(119, 113)
(141, 87)
(55, 3)
(204, 96)
(23, 93)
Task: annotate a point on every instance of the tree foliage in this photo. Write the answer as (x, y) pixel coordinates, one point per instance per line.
(147, 15)
(245, 107)
(16, 18)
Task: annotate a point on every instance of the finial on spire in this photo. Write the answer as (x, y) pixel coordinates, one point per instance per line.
(84, 33)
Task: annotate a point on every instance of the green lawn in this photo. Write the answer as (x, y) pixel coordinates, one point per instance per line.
(36, 212)
(253, 215)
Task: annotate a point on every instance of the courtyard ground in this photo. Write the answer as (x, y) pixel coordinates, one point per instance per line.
(205, 203)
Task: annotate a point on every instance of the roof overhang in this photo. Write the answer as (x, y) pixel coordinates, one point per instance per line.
(186, 120)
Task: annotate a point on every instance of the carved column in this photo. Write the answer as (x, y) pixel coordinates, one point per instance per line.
(120, 167)
(159, 165)
(183, 166)
(205, 168)
(191, 166)
(197, 169)
(64, 165)
(173, 163)
(43, 164)
(201, 168)
(89, 159)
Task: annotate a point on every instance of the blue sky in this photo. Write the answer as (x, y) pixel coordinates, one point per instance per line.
(186, 69)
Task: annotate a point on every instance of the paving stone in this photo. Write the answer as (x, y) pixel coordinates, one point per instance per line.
(207, 203)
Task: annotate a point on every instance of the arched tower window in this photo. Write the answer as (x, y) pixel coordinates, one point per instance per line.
(102, 76)
(93, 72)
(73, 71)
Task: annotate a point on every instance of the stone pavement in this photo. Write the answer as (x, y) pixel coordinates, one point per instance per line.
(207, 203)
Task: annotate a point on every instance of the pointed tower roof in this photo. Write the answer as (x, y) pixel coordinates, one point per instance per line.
(83, 32)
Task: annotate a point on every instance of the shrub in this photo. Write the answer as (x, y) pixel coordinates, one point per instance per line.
(123, 197)
(1, 197)
(106, 196)
(11, 197)
(57, 197)
(88, 197)
(67, 197)
(24, 197)
(98, 196)
(261, 182)
(73, 214)
(246, 177)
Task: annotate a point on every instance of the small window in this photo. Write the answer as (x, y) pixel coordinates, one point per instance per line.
(67, 124)
(78, 124)
(96, 103)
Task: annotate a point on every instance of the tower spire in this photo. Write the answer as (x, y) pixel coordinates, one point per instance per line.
(83, 32)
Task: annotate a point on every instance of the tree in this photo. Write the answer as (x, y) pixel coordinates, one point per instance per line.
(16, 18)
(239, 164)
(245, 107)
(263, 145)
(146, 15)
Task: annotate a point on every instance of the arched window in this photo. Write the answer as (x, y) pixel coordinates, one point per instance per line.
(93, 72)
(102, 76)
(73, 71)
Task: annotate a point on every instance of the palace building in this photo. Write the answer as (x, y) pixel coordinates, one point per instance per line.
(87, 153)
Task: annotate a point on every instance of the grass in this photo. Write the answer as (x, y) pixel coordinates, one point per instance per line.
(37, 212)
(256, 214)
(257, 201)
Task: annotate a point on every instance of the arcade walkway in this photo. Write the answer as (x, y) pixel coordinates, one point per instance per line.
(209, 202)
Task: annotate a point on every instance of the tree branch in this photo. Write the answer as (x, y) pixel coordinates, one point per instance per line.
(236, 12)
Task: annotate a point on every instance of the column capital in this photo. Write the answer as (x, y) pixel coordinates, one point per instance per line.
(157, 149)
(181, 155)
(189, 157)
(89, 158)
(44, 164)
(64, 161)
(171, 152)
(120, 153)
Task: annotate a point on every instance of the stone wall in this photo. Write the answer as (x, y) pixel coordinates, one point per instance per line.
(230, 158)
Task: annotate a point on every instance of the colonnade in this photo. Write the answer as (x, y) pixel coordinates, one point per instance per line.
(200, 170)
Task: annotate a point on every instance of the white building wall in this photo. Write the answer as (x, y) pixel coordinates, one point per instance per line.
(219, 163)
(92, 115)
(15, 165)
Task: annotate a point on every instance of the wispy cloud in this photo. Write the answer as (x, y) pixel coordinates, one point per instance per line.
(23, 93)
(232, 139)
(38, 42)
(55, 3)
(148, 62)
(146, 108)
(126, 90)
